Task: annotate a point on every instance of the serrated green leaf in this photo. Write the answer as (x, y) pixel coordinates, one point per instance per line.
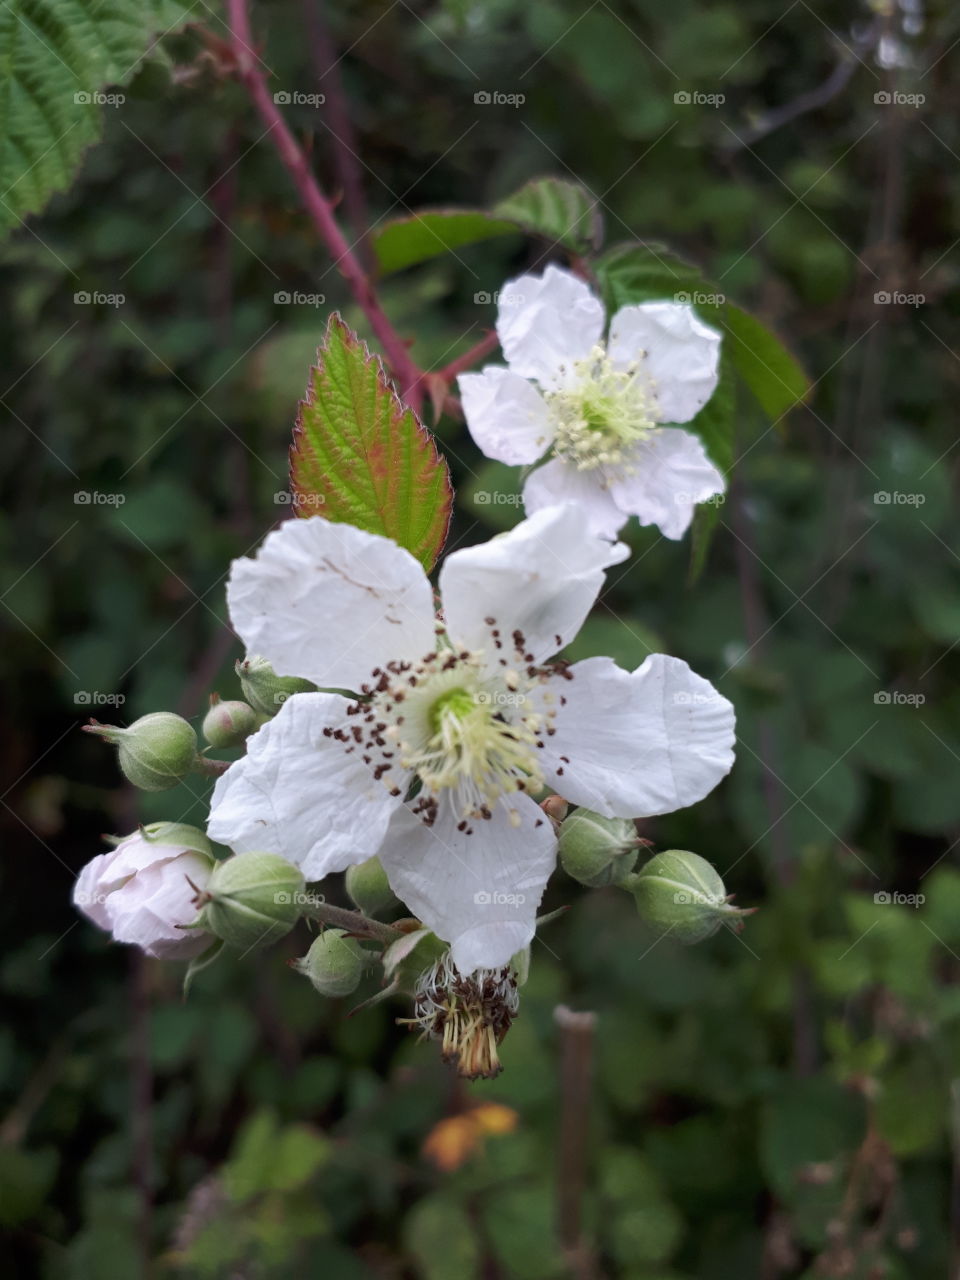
(55, 58)
(764, 363)
(359, 457)
(560, 211)
(403, 242)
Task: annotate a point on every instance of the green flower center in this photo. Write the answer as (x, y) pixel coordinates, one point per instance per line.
(603, 413)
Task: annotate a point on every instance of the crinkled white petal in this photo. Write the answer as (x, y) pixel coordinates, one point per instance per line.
(641, 743)
(541, 578)
(547, 322)
(148, 909)
(682, 354)
(668, 473)
(329, 602)
(299, 794)
(506, 415)
(478, 892)
(91, 887)
(558, 482)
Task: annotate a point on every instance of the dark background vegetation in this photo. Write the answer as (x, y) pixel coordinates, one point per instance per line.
(774, 1105)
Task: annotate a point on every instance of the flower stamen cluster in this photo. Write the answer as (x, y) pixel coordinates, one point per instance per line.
(458, 723)
(468, 1015)
(602, 412)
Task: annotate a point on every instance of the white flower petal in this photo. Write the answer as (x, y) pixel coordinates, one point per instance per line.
(506, 415)
(541, 578)
(329, 602)
(298, 793)
(479, 892)
(558, 482)
(669, 473)
(682, 354)
(90, 889)
(641, 743)
(547, 322)
(147, 909)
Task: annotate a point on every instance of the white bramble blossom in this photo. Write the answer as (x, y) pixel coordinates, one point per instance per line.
(142, 892)
(430, 760)
(598, 408)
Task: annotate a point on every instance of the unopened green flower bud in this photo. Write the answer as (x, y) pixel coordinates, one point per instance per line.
(252, 899)
(680, 894)
(334, 963)
(369, 888)
(229, 724)
(595, 850)
(155, 752)
(264, 689)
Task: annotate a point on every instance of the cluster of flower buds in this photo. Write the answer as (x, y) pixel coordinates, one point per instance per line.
(677, 893)
(160, 749)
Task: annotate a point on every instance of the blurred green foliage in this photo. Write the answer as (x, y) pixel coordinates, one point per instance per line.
(777, 1104)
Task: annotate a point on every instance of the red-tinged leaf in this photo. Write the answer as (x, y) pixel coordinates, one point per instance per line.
(360, 457)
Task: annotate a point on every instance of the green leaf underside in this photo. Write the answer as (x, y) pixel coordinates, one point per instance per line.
(403, 242)
(50, 51)
(770, 371)
(359, 457)
(558, 210)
